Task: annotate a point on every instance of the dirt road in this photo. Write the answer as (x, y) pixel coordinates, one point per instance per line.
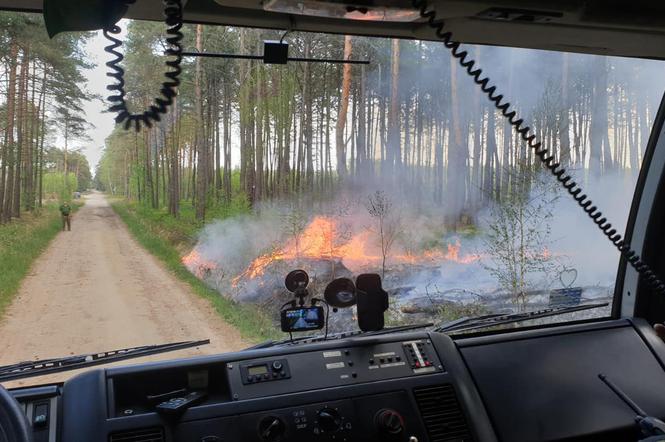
(96, 289)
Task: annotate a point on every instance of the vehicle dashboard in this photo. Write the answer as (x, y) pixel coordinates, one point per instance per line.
(539, 384)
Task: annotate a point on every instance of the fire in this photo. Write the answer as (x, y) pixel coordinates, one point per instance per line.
(453, 254)
(197, 264)
(324, 238)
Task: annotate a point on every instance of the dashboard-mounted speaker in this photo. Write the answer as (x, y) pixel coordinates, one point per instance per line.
(340, 293)
(296, 279)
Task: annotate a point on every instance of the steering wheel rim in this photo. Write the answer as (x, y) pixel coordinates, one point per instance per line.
(14, 425)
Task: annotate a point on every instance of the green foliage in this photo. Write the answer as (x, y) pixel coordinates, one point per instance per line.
(57, 188)
(77, 163)
(456, 310)
(21, 242)
(518, 236)
(164, 237)
(44, 83)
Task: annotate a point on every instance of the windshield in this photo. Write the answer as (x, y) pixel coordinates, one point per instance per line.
(184, 231)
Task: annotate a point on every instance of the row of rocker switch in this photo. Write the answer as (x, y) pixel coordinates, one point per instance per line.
(385, 360)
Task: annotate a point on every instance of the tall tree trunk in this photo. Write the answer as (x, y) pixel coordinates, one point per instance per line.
(361, 135)
(201, 148)
(258, 194)
(490, 155)
(20, 131)
(457, 153)
(340, 145)
(599, 147)
(564, 158)
(393, 151)
(31, 145)
(479, 112)
(308, 119)
(7, 178)
(40, 164)
(227, 144)
(504, 168)
(174, 161)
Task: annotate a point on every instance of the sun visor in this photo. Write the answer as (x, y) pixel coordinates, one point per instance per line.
(81, 15)
(368, 10)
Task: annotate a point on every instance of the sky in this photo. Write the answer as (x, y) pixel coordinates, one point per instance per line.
(96, 82)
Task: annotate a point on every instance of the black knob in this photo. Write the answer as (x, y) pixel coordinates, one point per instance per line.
(271, 429)
(389, 421)
(329, 420)
(277, 366)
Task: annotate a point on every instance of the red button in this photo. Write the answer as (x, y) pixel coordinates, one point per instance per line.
(417, 364)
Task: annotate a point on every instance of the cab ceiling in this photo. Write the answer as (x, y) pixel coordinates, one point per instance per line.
(611, 27)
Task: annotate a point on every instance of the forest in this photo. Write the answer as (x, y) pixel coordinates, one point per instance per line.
(382, 145)
(410, 121)
(41, 98)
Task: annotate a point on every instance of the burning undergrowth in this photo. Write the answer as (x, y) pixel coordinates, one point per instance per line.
(246, 258)
(429, 272)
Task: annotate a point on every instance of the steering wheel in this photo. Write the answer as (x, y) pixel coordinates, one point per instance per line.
(14, 425)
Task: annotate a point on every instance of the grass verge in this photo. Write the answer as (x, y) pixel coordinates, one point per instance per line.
(21, 242)
(166, 238)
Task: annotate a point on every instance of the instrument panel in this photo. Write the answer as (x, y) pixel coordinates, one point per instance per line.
(408, 387)
(311, 370)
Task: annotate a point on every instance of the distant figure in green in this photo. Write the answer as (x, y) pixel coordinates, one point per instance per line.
(65, 211)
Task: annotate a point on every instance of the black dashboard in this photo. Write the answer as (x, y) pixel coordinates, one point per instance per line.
(533, 385)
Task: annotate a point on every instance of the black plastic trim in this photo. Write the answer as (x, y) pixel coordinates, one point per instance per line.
(634, 209)
(36, 392)
(466, 389)
(655, 344)
(541, 332)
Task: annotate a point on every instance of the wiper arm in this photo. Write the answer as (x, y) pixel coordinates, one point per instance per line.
(347, 334)
(465, 324)
(46, 366)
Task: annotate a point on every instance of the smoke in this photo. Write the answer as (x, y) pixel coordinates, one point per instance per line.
(428, 263)
(576, 236)
(432, 256)
(233, 242)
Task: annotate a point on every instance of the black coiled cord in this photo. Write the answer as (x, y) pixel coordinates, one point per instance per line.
(173, 13)
(541, 152)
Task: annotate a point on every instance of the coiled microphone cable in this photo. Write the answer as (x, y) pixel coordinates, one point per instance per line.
(173, 13)
(543, 153)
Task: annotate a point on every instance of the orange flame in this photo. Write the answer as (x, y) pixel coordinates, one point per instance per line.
(324, 238)
(453, 254)
(198, 264)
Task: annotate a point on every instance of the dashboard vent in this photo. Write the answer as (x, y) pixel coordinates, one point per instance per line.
(442, 414)
(155, 434)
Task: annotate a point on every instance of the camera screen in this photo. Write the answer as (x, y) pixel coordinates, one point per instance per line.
(301, 319)
(257, 370)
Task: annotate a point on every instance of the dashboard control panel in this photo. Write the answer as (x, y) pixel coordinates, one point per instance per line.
(386, 417)
(331, 368)
(265, 371)
(405, 389)
(420, 356)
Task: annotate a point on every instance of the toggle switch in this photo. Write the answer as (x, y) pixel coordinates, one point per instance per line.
(40, 416)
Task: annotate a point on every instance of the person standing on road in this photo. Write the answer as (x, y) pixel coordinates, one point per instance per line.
(65, 211)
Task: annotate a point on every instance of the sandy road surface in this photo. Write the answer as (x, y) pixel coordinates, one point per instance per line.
(96, 289)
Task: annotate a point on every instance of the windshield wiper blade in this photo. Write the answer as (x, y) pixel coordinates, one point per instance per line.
(466, 324)
(341, 335)
(46, 366)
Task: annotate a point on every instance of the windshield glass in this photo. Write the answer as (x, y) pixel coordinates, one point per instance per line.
(397, 167)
